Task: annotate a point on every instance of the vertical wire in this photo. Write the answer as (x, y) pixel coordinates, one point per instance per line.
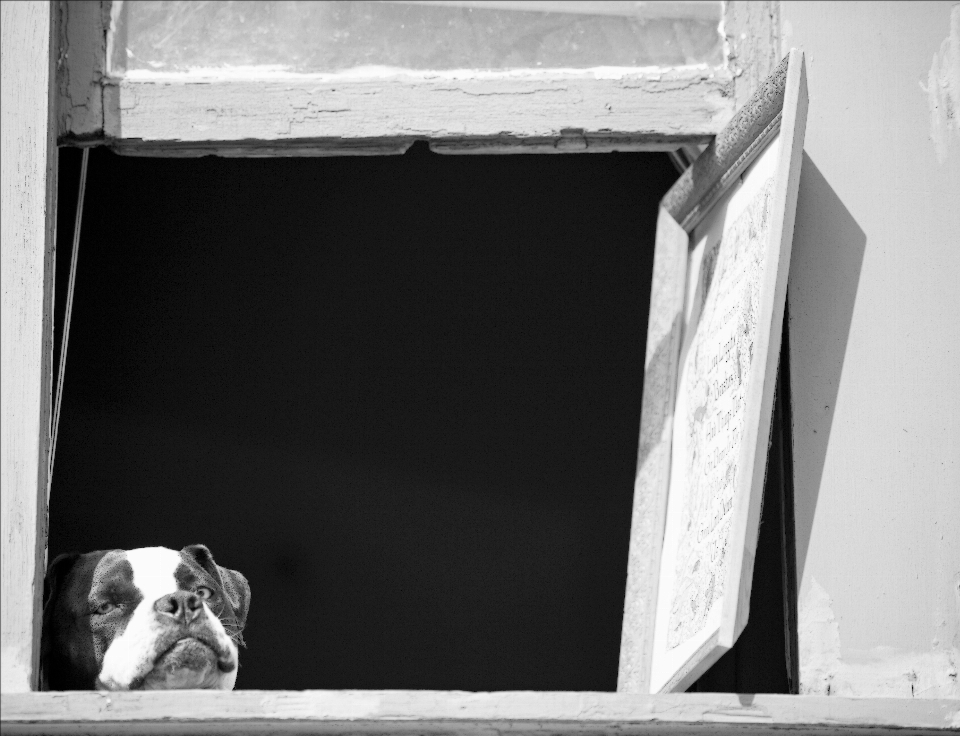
(71, 284)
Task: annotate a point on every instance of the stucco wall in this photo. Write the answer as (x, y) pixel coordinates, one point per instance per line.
(874, 301)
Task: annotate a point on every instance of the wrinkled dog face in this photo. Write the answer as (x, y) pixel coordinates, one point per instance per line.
(148, 618)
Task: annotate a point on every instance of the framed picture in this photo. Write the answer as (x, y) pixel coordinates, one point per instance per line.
(720, 276)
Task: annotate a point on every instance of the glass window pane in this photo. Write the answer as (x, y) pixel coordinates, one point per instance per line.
(383, 37)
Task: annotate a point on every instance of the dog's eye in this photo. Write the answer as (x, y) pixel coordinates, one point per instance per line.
(105, 608)
(205, 593)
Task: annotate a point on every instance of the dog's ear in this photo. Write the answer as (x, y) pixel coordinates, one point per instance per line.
(236, 589)
(52, 583)
(56, 572)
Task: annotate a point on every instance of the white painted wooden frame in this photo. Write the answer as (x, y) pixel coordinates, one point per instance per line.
(372, 712)
(28, 217)
(770, 126)
(28, 187)
(490, 112)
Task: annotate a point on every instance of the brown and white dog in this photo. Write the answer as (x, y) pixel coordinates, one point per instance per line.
(143, 619)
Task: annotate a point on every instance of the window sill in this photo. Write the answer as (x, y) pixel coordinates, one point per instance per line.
(435, 712)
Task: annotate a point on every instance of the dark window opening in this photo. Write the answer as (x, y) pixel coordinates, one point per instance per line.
(400, 394)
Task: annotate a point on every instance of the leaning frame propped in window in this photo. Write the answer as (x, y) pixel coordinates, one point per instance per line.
(713, 341)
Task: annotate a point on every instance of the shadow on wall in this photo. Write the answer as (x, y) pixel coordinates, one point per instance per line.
(827, 241)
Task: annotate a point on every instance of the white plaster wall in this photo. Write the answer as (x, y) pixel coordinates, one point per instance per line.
(874, 299)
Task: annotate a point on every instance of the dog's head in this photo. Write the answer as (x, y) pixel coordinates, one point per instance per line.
(149, 618)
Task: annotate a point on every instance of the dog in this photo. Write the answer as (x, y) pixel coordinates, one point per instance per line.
(143, 619)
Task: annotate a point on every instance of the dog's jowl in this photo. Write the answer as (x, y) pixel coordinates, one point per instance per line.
(143, 619)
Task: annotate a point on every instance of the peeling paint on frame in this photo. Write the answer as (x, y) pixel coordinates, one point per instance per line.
(943, 91)
(827, 669)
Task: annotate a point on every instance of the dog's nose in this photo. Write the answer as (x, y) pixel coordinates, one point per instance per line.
(182, 605)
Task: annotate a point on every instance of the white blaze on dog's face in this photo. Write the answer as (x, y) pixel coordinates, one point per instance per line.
(143, 619)
(149, 631)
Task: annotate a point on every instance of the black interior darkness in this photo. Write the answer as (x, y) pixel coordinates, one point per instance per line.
(400, 394)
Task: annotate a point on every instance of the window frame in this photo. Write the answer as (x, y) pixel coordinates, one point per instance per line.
(446, 712)
(492, 112)
(52, 70)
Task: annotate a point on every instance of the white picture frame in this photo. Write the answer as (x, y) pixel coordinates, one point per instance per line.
(720, 275)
